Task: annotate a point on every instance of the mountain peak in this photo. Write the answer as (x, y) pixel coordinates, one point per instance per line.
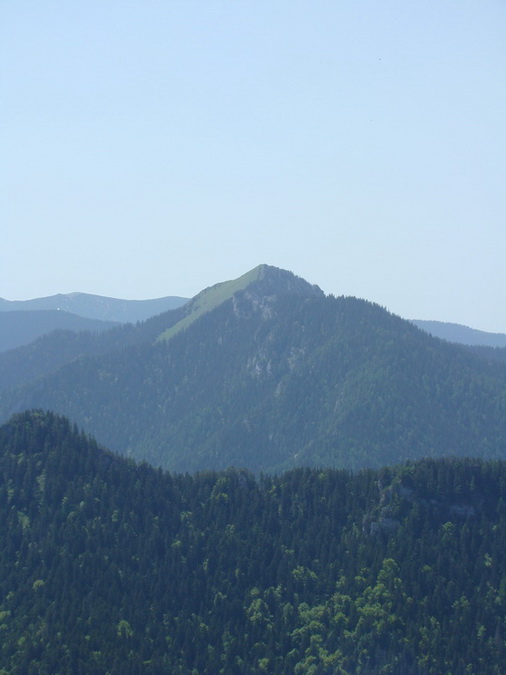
(275, 281)
(263, 280)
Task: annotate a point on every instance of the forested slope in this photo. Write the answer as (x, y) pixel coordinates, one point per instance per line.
(20, 328)
(109, 566)
(52, 351)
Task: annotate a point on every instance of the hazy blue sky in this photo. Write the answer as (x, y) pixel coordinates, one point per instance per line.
(153, 148)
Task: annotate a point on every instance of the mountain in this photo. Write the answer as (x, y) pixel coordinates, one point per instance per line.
(268, 373)
(50, 352)
(109, 566)
(19, 328)
(454, 332)
(263, 281)
(96, 306)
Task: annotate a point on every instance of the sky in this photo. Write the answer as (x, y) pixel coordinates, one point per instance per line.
(156, 147)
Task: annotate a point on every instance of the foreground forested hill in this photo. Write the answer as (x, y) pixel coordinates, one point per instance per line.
(268, 373)
(110, 566)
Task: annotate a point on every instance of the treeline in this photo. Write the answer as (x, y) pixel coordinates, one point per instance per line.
(108, 566)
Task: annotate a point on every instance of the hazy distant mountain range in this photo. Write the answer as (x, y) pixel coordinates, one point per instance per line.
(454, 332)
(22, 321)
(266, 372)
(97, 306)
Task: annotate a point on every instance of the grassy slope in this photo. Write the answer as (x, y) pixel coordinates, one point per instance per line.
(212, 297)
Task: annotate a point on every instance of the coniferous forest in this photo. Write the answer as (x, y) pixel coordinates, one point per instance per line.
(108, 566)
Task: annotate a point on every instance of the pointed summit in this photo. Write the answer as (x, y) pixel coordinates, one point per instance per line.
(275, 281)
(260, 282)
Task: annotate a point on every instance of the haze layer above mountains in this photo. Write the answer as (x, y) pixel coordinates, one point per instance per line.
(268, 373)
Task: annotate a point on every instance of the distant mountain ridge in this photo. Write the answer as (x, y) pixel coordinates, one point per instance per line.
(454, 332)
(97, 306)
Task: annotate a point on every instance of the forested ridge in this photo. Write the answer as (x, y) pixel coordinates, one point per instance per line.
(108, 566)
(271, 376)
